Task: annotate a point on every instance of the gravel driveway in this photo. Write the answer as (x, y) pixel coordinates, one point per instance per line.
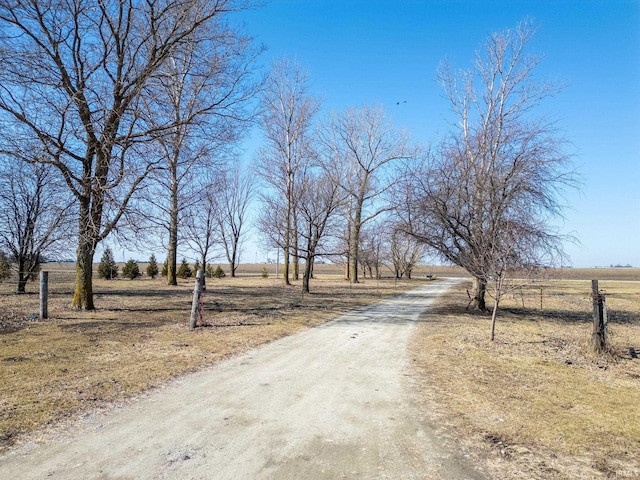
(333, 402)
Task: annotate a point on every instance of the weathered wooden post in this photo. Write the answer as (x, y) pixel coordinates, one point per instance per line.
(44, 295)
(197, 293)
(599, 335)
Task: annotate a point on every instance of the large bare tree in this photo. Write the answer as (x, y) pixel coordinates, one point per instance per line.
(73, 78)
(486, 198)
(288, 112)
(361, 149)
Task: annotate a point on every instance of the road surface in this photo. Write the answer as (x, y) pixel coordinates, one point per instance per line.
(333, 402)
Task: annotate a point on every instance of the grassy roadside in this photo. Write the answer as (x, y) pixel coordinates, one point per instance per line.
(536, 403)
(138, 339)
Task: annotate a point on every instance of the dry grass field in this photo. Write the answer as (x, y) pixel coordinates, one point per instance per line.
(533, 404)
(138, 336)
(536, 403)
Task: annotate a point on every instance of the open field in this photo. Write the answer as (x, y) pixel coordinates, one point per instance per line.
(138, 336)
(536, 403)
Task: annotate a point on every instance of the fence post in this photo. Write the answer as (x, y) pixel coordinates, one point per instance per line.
(44, 295)
(195, 304)
(599, 336)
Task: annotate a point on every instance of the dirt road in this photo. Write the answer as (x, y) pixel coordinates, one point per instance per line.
(333, 402)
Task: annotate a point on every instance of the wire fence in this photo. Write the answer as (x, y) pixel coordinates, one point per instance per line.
(61, 280)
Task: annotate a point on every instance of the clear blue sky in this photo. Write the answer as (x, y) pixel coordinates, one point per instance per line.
(370, 51)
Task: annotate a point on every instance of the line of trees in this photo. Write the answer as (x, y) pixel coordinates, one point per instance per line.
(324, 181)
(130, 116)
(486, 197)
(117, 97)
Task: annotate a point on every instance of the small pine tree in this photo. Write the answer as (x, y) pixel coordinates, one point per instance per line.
(265, 273)
(196, 267)
(107, 268)
(165, 268)
(208, 271)
(184, 270)
(5, 267)
(152, 267)
(218, 273)
(131, 270)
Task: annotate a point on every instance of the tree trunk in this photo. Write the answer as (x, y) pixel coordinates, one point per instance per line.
(232, 260)
(172, 254)
(353, 251)
(83, 294)
(22, 280)
(22, 283)
(195, 304)
(203, 267)
(294, 245)
(285, 265)
(308, 269)
(493, 320)
(287, 247)
(479, 289)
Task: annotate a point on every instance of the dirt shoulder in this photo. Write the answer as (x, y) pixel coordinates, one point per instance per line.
(535, 403)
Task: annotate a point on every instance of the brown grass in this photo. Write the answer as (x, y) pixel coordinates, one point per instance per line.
(138, 337)
(537, 403)
(534, 404)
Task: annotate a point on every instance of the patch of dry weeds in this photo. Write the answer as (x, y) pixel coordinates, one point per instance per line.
(537, 403)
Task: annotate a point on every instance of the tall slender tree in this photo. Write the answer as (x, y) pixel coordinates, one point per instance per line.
(236, 193)
(319, 201)
(204, 91)
(288, 112)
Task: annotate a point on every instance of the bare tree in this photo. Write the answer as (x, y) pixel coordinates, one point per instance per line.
(73, 79)
(319, 200)
(372, 250)
(288, 110)
(361, 148)
(236, 193)
(35, 215)
(204, 93)
(200, 222)
(404, 252)
(486, 198)
(271, 220)
(519, 262)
